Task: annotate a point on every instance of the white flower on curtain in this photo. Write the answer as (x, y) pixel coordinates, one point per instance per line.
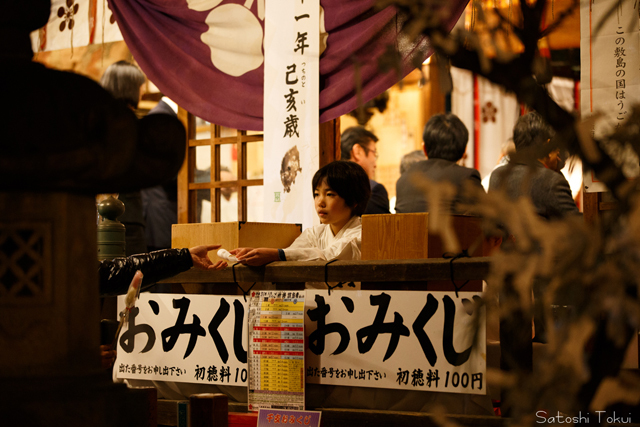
(234, 36)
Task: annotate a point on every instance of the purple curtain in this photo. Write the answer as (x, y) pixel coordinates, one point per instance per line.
(165, 39)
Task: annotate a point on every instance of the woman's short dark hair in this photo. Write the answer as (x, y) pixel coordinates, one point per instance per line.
(349, 180)
(123, 80)
(445, 137)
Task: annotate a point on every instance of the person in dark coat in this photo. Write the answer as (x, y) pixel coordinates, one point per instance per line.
(124, 81)
(445, 140)
(359, 145)
(160, 202)
(116, 274)
(534, 170)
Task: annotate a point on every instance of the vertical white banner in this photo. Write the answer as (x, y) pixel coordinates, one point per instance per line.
(462, 105)
(291, 109)
(610, 72)
(107, 30)
(499, 111)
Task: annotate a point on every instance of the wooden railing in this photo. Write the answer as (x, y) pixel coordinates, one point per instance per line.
(361, 271)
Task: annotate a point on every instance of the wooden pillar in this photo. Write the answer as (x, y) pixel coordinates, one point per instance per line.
(590, 206)
(329, 141)
(185, 175)
(433, 99)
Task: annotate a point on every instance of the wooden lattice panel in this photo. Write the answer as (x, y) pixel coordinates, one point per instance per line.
(186, 180)
(25, 257)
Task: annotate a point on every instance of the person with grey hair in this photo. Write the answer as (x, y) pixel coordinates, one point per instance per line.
(445, 140)
(410, 159)
(359, 145)
(124, 81)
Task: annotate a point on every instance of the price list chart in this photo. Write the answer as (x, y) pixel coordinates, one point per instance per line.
(276, 350)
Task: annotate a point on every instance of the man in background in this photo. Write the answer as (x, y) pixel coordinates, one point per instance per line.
(534, 170)
(359, 146)
(125, 82)
(160, 202)
(445, 140)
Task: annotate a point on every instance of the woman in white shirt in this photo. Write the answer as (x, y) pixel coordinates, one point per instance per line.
(341, 191)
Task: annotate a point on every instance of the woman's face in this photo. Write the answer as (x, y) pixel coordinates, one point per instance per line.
(331, 208)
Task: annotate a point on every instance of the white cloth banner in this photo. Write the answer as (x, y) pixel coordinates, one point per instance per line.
(499, 111)
(610, 73)
(462, 105)
(76, 23)
(106, 25)
(423, 341)
(291, 110)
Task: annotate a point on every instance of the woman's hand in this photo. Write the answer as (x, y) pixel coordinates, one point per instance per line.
(200, 258)
(255, 256)
(107, 356)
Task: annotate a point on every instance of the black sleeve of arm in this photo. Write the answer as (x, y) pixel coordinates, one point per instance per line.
(379, 201)
(115, 275)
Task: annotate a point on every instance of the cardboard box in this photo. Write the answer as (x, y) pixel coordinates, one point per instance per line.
(233, 235)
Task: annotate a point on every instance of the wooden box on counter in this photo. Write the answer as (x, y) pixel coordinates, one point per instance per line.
(407, 236)
(233, 235)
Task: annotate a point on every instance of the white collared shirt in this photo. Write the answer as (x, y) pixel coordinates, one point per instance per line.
(319, 244)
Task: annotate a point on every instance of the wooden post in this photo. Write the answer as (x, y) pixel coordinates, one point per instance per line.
(590, 206)
(186, 200)
(516, 347)
(433, 100)
(209, 410)
(329, 142)
(150, 396)
(242, 175)
(215, 193)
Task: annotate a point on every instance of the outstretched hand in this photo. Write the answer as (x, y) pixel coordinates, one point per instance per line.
(255, 256)
(200, 258)
(107, 356)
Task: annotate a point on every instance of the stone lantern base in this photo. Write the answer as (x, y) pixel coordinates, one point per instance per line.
(50, 371)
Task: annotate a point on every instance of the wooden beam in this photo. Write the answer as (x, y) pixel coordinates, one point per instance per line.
(341, 271)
